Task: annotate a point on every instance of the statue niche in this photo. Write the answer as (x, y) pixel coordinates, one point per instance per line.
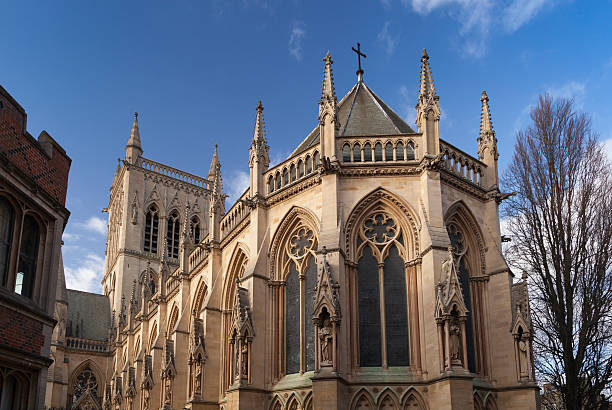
(326, 316)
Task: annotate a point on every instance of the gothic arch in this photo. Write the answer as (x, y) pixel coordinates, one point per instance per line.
(90, 365)
(199, 296)
(489, 401)
(403, 213)
(152, 336)
(172, 319)
(362, 400)
(478, 402)
(277, 403)
(294, 402)
(387, 399)
(308, 402)
(458, 213)
(238, 261)
(413, 400)
(294, 216)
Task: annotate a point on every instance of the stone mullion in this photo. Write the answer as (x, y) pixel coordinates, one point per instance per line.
(383, 327)
(353, 303)
(301, 279)
(415, 339)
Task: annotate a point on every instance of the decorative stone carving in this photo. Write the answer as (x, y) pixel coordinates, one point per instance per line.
(242, 333)
(450, 316)
(327, 315)
(522, 330)
(197, 356)
(168, 374)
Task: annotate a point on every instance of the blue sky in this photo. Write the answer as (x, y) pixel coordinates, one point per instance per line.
(194, 71)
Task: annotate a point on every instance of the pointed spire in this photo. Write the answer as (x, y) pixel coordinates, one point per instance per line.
(214, 164)
(486, 125)
(133, 149)
(259, 134)
(328, 92)
(427, 88)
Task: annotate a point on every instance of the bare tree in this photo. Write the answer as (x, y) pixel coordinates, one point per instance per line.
(561, 225)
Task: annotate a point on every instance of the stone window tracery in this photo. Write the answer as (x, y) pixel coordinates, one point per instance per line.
(28, 255)
(172, 234)
(151, 229)
(382, 292)
(86, 380)
(7, 220)
(195, 229)
(300, 273)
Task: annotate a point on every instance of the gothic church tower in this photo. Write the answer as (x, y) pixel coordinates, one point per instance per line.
(150, 204)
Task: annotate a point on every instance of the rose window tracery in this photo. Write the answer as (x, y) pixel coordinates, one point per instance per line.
(86, 380)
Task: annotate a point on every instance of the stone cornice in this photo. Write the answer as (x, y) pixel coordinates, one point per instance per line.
(292, 190)
(465, 186)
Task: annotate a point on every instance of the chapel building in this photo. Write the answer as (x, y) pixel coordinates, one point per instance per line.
(365, 271)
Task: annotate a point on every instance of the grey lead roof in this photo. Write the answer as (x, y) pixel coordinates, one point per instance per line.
(361, 112)
(88, 315)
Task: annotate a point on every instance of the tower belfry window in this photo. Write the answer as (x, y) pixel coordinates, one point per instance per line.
(195, 229)
(172, 235)
(151, 229)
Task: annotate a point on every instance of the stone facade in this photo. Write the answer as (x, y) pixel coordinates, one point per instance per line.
(33, 182)
(363, 272)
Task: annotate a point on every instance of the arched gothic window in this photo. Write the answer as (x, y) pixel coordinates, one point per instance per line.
(356, 153)
(7, 221)
(346, 153)
(367, 152)
(28, 255)
(460, 249)
(399, 151)
(300, 169)
(277, 180)
(271, 184)
(378, 153)
(388, 151)
(86, 380)
(151, 229)
(410, 151)
(308, 164)
(317, 160)
(15, 389)
(382, 292)
(195, 229)
(292, 172)
(300, 273)
(172, 234)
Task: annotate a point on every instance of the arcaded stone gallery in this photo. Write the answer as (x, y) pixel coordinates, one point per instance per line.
(364, 271)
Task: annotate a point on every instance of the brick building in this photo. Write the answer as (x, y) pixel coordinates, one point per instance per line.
(33, 183)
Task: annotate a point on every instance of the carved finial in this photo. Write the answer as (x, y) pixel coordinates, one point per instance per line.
(486, 125)
(259, 134)
(426, 88)
(425, 56)
(328, 92)
(487, 142)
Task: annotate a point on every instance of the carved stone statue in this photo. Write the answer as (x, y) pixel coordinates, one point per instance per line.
(325, 338)
(244, 360)
(168, 391)
(197, 385)
(523, 357)
(146, 399)
(134, 213)
(455, 344)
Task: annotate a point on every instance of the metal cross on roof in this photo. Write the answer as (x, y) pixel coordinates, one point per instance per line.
(359, 55)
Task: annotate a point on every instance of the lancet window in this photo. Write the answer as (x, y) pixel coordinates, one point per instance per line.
(346, 153)
(300, 272)
(378, 152)
(151, 229)
(195, 229)
(172, 234)
(460, 249)
(382, 291)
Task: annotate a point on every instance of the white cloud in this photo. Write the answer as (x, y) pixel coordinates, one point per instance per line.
(86, 274)
(94, 224)
(571, 89)
(298, 31)
(237, 183)
(520, 12)
(476, 18)
(70, 237)
(386, 3)
(388, 41)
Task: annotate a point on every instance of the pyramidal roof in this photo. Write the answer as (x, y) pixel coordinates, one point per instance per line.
(361, 112)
